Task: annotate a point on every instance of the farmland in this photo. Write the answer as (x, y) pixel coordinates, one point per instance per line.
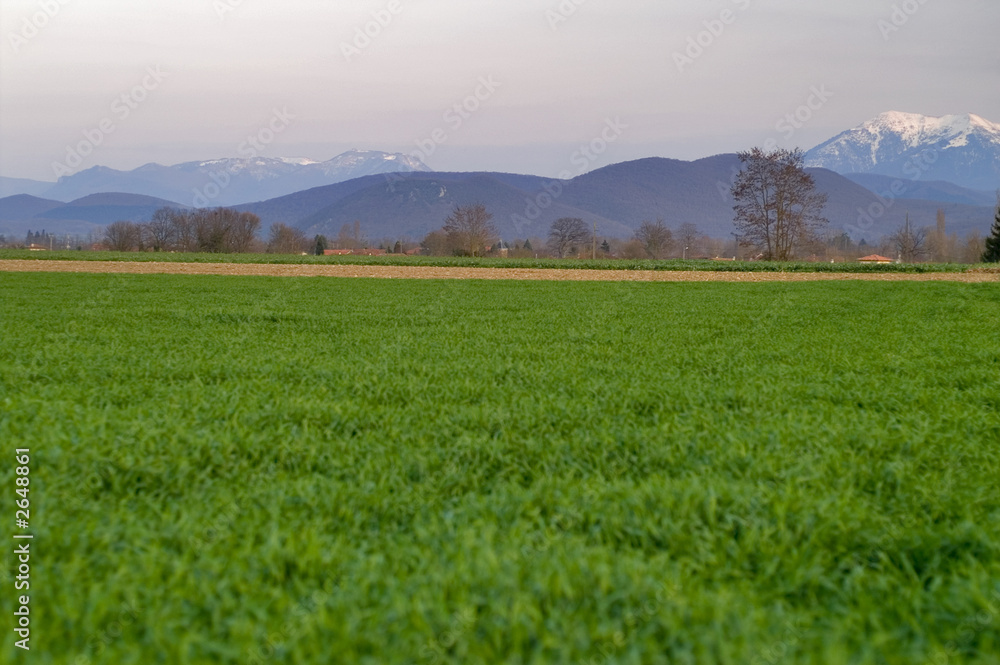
(304, 470)
(495, 262)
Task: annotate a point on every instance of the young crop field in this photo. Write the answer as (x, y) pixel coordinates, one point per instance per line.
(264, 470)
(496, 262)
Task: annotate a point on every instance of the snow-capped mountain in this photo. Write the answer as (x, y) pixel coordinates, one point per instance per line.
(232, 180)
(961, 149)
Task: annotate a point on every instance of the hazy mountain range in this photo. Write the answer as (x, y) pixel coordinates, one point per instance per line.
(219, 182)
(618, 198)
(394, 195)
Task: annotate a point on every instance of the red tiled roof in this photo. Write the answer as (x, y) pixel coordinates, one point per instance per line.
(875, 258)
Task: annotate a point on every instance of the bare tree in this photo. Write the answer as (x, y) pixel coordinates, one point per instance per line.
(350, 237)
(656, 238)
(284, 239)
(937, 239)
(910, 243)
(567, 233)
(471, 229)
(689, 238)
(243, 232)
(161, 230)
(632, 249)
(185, 238)
(436, 243)
(123, 236)
(975, 247)
(777, 206)
(210, 231)
(224, 230)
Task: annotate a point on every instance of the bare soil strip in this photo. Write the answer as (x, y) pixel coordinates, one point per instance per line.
(428, 272)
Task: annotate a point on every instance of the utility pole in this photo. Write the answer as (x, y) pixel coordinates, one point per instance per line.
(594, 253)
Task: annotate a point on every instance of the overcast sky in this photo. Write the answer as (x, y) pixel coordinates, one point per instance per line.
(200, 76)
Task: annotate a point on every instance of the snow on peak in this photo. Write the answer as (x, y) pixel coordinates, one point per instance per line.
(964, 149)
(298, 161)
(915, 130)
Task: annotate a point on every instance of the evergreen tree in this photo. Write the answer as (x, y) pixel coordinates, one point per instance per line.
(321, 245)
(397, 248)
(992, 253)
(605, 247)
(527, 245)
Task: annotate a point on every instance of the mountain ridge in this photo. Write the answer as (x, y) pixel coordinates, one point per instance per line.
(960, 149)
(617, 197)
(219, 182)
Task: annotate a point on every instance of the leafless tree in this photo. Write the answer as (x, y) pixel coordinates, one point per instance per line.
(567, 233)
(777, 206)
(224, 230)
(243, 233)
(210, 230)
(471, 229)
(185, 236)
(632, 249)
(910, 243)
(436, 243)
(161, 230)
(689, 238)
(123, 236)
(656, 238)
(284, 239)
(350, 237)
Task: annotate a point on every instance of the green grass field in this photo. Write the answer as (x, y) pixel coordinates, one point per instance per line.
(492, 262)
(278, 470)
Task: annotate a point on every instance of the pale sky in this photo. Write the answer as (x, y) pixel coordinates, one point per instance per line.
(182, 80)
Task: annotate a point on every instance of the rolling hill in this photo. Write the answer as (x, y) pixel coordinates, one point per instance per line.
(618, 197)
(21, 213)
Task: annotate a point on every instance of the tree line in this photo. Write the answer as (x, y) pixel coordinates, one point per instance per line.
(778, 215)
(216, 230)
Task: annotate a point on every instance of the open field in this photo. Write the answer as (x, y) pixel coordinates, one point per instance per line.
(394, 271)
(285, 470)
(500, 263)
